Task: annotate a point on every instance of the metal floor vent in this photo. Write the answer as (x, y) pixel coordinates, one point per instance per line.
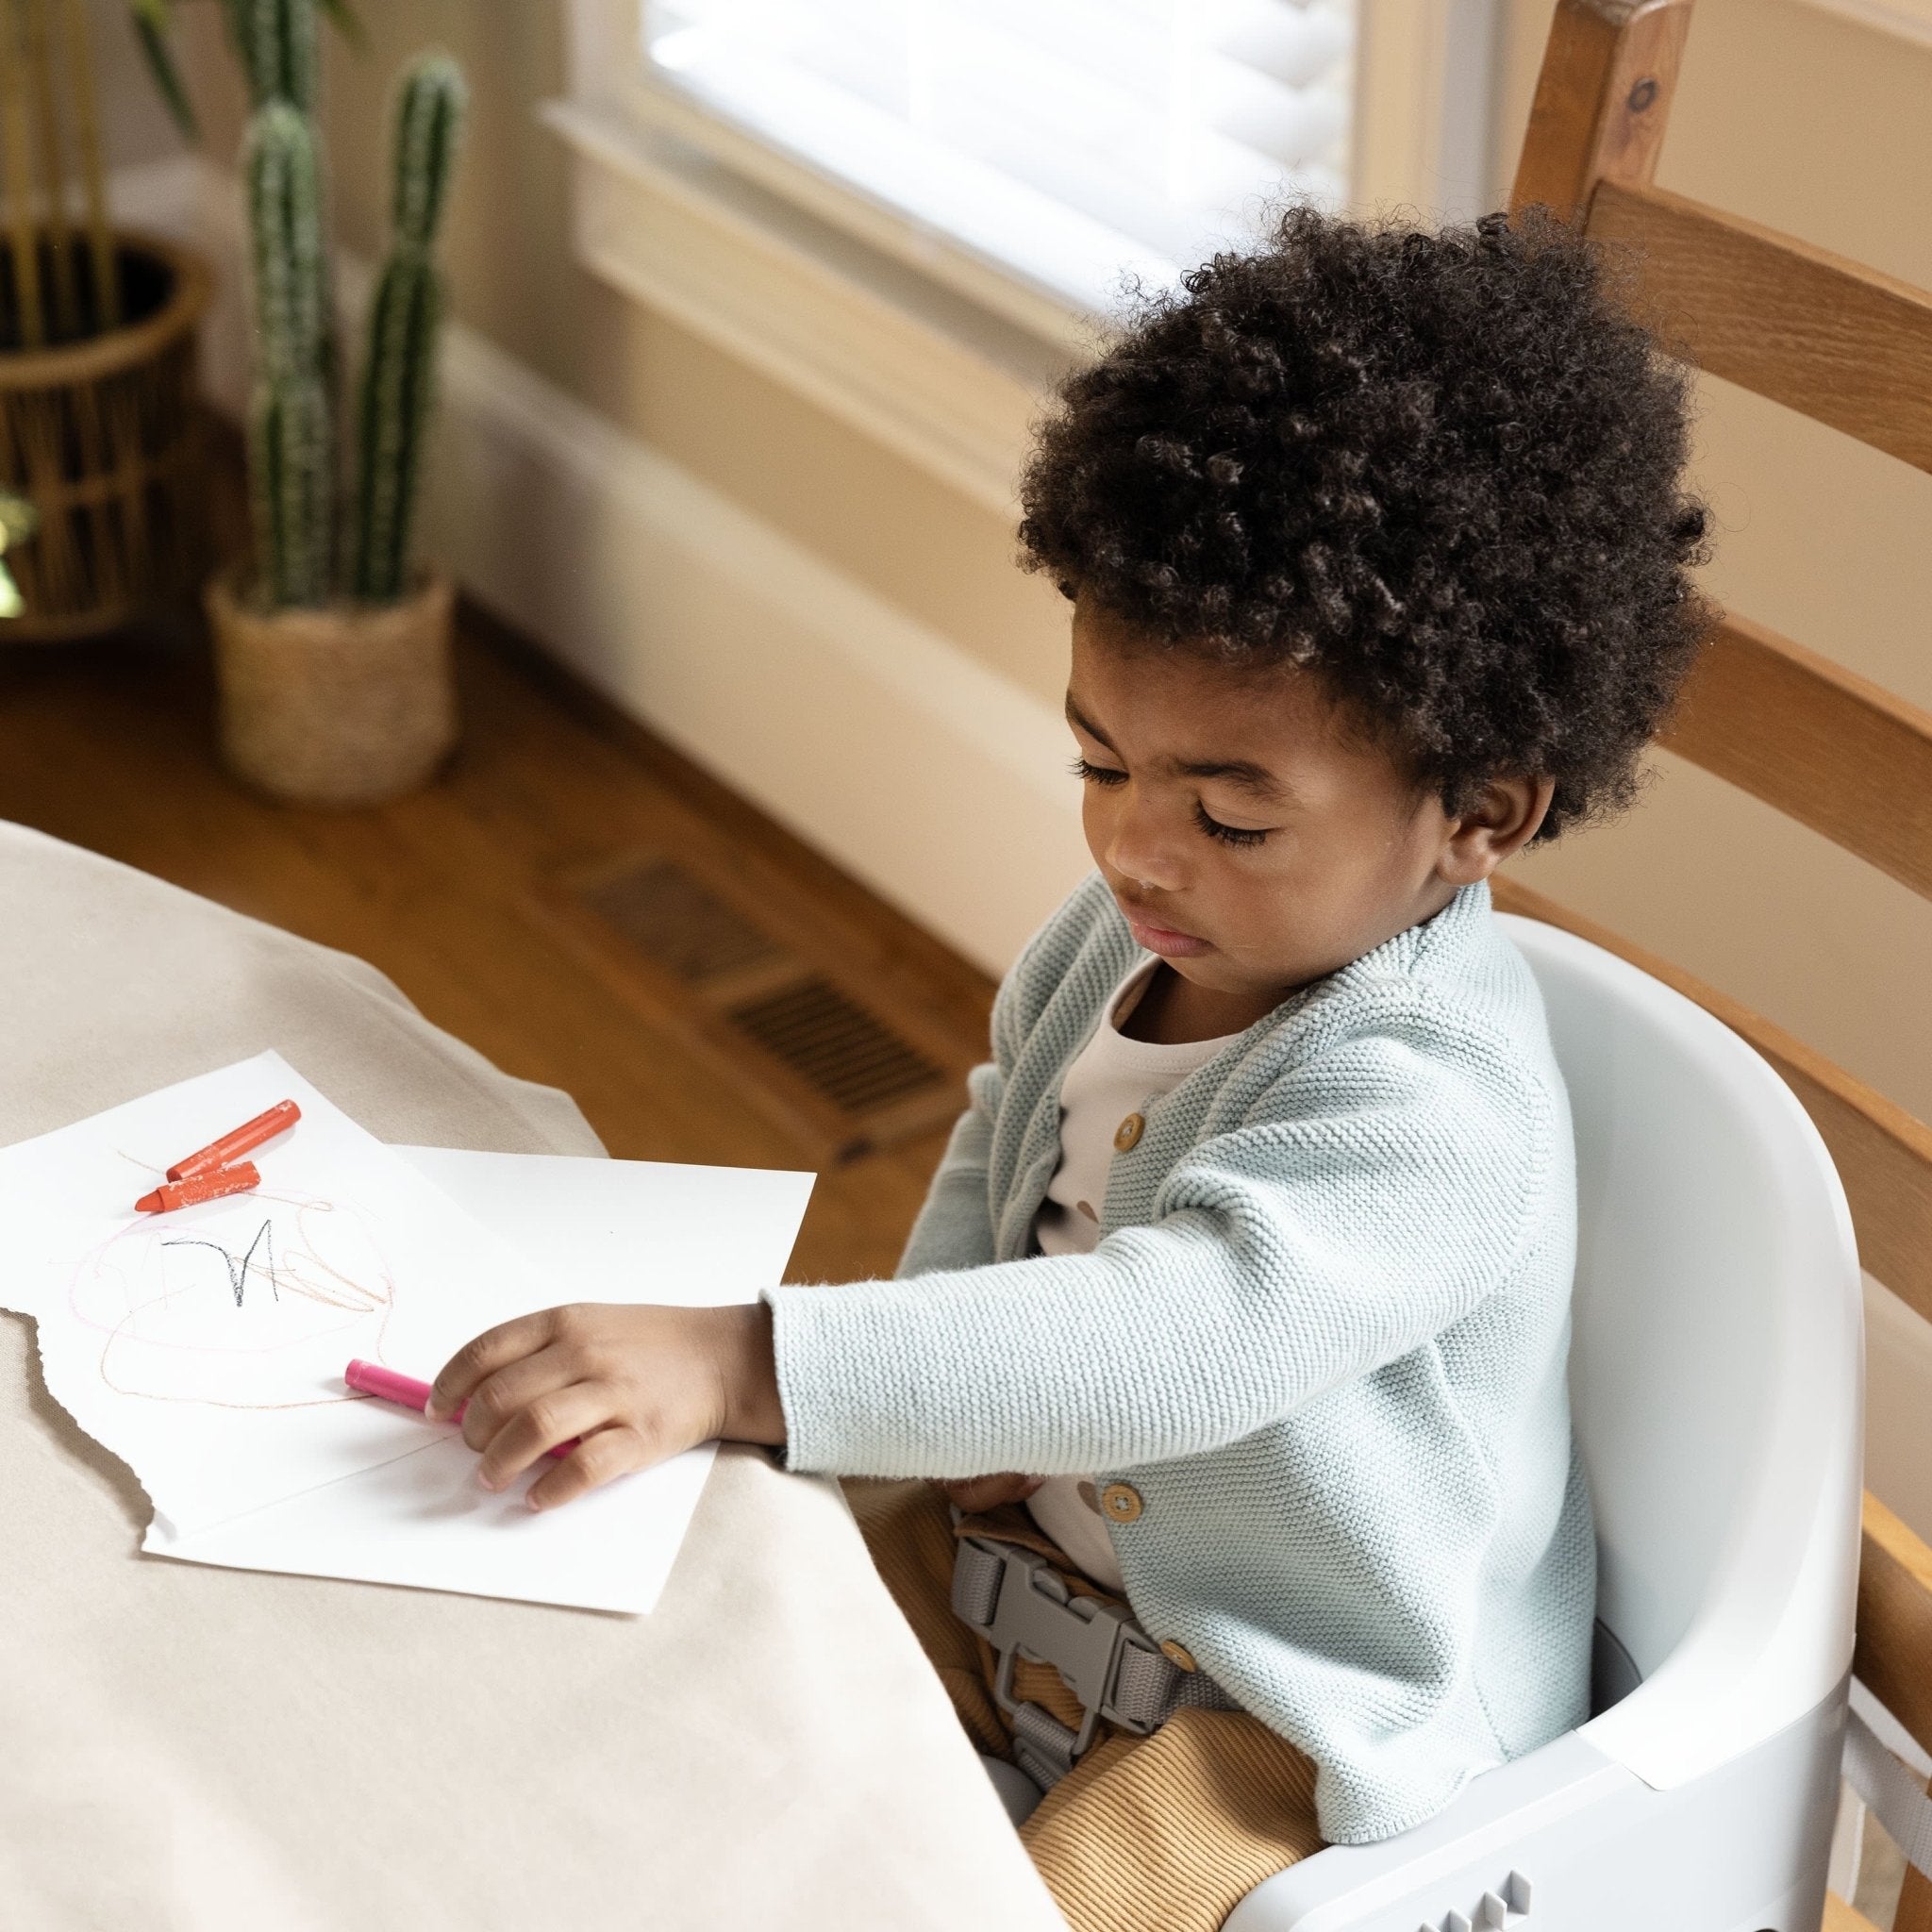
(854, 1060)
(690, 949)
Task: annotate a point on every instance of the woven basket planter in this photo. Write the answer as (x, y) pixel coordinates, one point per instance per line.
(350, 704)
(103, 438)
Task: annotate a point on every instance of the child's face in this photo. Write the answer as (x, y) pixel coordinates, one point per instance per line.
(1249, 838)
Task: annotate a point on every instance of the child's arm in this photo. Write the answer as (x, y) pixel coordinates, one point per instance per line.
(639, 1383)
(1371, 1199)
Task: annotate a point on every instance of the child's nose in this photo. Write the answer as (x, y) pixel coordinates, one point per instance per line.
(1143, 849)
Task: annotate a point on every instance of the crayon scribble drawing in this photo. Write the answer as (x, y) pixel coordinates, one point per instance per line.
(257, 1306)
(205, 1346)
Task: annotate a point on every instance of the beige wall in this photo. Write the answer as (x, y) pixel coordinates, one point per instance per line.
(1787, 113)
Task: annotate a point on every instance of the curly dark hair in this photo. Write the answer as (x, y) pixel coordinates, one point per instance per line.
(1441, 469)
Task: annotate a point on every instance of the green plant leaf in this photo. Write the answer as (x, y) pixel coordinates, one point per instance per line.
(152, 25)
(344, 18)
(154, 22)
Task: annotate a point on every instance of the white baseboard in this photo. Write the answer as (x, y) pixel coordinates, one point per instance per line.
(935, 780)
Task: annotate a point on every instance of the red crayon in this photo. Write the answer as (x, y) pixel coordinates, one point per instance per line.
(244, 1139)
(199, 1188)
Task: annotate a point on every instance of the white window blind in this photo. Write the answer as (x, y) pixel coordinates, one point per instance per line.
(1070, 142)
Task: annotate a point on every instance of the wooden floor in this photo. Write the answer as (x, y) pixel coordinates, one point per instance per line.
(111, 746)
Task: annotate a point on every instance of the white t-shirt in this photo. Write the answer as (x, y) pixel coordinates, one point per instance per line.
(1114, 1076)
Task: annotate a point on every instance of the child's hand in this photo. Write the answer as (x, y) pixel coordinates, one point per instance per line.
(638, 1384)
(977, 1492)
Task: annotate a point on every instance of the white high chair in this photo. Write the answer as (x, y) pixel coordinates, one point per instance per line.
(1716, 1371)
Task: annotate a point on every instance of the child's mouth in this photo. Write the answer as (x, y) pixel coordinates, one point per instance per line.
(1165, 941)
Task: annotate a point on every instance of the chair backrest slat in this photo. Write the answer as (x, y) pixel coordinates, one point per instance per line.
(1831, 749)
(1883, 1155)
(1836, 340)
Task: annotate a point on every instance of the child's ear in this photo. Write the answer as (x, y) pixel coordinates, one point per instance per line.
(1501, 822)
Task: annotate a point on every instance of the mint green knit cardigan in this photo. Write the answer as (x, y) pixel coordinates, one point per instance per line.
(1324, 1337)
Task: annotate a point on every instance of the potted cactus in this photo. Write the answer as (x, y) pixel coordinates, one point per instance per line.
(333, 656)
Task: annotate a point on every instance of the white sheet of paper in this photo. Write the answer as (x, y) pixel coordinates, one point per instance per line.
(594, 1230)
(206, 1347)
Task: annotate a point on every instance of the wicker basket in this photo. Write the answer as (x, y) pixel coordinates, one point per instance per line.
(349, 704)
(103, 438)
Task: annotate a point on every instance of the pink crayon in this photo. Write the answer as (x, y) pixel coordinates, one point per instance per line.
(372, 1378)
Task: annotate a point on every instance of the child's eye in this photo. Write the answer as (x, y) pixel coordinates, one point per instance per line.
(1228, 835)
(1097, 775)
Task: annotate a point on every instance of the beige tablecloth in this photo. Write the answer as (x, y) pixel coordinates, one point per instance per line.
(189, 1750)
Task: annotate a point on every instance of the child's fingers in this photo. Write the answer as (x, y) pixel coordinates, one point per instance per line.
(511, 1390)
(611, 1452)
(487, 1352)
(555, 1415)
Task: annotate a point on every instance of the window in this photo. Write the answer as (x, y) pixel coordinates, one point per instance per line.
(1066, 143)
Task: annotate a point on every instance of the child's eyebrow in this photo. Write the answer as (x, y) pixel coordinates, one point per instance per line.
(1243, 773)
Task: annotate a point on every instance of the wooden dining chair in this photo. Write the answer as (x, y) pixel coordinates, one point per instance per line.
(1852, 348)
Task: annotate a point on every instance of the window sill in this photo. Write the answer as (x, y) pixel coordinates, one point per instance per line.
(946, 381)
(1003, 245)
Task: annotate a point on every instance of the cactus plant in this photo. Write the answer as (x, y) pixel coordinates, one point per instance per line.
(291, 412)
(154, 25)
(275, 42)
(354, 702)
(291, 454)
(392, 408)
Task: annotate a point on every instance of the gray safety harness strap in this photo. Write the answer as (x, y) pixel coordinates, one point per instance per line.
(1894, 1792)
(1020, 1604)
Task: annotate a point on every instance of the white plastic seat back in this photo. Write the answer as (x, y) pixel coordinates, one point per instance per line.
(1715, 1371)
(1715, 1366)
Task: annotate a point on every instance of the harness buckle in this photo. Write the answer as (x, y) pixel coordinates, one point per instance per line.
(1016, 1601)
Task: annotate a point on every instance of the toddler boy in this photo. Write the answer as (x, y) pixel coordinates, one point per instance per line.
(1239, 1307)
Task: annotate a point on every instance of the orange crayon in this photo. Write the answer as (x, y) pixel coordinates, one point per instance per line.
(199, 1188)
(244, 1139)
